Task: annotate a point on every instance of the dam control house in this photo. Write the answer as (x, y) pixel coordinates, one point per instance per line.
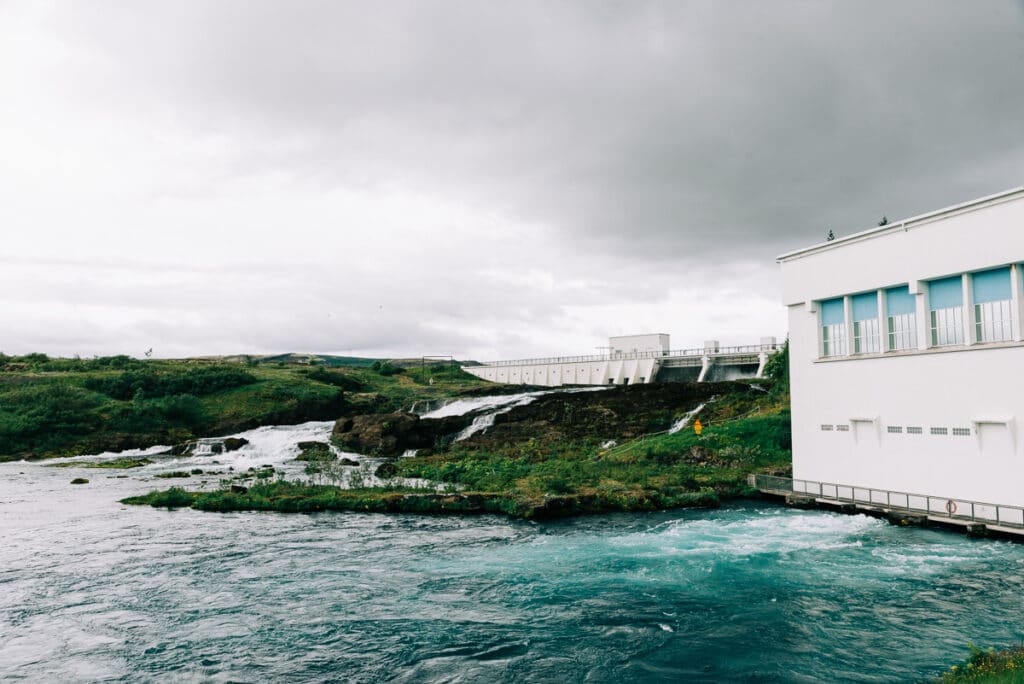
(906, 358)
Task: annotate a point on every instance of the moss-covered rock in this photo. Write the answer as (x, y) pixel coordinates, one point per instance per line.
(315, 451)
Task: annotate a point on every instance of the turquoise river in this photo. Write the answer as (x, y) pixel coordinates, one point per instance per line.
(91, 590)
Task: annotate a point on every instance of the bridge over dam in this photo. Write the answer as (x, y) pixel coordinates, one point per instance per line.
(708, 363)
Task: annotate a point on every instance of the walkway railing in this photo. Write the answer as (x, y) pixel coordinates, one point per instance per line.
(676, 353)
(954, 509)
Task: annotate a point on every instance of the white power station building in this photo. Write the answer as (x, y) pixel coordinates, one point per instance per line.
(907, 354)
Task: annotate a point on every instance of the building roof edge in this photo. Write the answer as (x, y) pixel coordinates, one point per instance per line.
(902, 224)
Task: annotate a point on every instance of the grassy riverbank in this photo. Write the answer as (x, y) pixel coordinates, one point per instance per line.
(61, 407)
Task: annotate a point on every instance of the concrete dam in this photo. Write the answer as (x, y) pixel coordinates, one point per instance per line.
(635, 359)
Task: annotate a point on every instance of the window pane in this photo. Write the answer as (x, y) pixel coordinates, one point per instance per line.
(865, 306)
(992, 286)
(898, 300)
(832, 312)
(945, 293)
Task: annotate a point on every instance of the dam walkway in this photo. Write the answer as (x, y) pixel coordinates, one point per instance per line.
(710, 362)
(974, 517)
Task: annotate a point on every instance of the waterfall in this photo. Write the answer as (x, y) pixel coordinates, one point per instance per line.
(685, 420)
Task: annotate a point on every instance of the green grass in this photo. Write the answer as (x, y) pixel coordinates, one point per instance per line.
(655, 468)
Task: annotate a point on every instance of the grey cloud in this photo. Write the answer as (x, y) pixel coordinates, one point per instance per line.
(660, 129)
(652, 147)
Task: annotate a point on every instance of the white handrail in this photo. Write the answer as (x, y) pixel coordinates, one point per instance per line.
(672, 354)
(954, 508)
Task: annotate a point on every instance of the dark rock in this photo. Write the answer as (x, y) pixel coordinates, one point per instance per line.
(315, 451)
(386, 470)
(391, 434)
(217, 448)
(348, 462)
(234, 443)
(238, 489)
(387, 434)
(184, 449)
(79, 480)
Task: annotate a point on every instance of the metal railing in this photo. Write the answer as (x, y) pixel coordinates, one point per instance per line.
(951, 508)
(675, 353)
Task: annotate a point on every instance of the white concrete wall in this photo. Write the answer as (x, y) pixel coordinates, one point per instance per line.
(605, 372)
(971, 386)
(629, 344)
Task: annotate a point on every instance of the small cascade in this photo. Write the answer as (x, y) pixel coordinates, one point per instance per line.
(685, 420)
(204, 448)
(410, 453)
(422, 407)
(479, 424)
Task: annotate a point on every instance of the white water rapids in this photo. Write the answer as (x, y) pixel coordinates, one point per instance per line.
(496, 404)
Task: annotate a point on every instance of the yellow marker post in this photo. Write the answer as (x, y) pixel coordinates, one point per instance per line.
(697, 426)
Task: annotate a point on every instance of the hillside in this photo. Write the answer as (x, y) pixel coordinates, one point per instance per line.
(58, 407)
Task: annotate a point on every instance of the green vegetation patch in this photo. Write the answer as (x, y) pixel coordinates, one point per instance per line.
(117, 463)
(988, 665)
(149, 382)
(174, 474)
(315, 451)
(79, 480)
(292, 497)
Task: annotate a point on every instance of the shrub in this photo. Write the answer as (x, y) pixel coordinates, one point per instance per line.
(777, 369)
(195, 381)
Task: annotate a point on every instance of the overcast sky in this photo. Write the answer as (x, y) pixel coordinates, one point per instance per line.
(482, 179)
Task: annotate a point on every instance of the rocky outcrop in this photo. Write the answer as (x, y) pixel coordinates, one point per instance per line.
(385, 434)
(234, 443)
(391, 434)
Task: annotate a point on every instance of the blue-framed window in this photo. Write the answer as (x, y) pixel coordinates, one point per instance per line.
(901, 318)
(946, 311)
(833, 327)
(993, 305)
(865, 323)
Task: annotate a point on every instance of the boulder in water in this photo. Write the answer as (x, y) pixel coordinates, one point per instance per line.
(234, 443)
(386, 470)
